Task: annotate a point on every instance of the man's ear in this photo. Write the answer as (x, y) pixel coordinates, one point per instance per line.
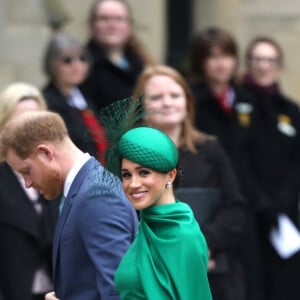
(45, 152)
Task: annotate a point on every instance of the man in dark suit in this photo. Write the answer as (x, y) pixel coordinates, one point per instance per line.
(97, 223)
(27, 225)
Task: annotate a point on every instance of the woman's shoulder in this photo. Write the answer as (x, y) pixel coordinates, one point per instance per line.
(51, 93)
(201, 91)
(211, 150)
(96, 51)
(208, 143)
(290, 103)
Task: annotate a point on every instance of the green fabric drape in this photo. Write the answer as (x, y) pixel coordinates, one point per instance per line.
(168, 259)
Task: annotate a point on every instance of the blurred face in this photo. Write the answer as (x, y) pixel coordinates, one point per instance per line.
(219, 67)
(264, 66)
(38, 173)
(25, 105)
(165, 101)
(145, 187)
(112, 26)
(71, 68)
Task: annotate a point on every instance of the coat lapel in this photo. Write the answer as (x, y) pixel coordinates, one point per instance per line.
(67, 207)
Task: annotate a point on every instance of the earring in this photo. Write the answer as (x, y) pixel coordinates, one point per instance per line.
(169, 185)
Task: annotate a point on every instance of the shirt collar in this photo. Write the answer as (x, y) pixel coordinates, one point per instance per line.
(77, 100)
(74, 171)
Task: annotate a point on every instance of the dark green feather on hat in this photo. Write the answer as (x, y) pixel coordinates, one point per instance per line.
(128, 136)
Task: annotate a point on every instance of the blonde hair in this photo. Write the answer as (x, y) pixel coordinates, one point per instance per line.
(190, 135)
(13, 94)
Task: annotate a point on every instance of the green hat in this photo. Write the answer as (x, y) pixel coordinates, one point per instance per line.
(149, 147)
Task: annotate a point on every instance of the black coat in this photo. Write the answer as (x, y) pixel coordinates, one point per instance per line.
(210, 167)
(274, 154)
(108, 83)
(274, 158)
(231, 129)
(26, 238)
(77, 130)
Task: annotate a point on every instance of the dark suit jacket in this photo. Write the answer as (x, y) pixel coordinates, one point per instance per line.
(96, 227)
(26, 239)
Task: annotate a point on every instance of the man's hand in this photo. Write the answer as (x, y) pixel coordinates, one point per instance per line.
(51, 296)
(211, 262)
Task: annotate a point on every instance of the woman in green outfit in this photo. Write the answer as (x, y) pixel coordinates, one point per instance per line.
(169, 256)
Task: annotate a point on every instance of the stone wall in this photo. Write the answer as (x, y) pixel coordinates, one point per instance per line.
(248, 18)
(24, 31)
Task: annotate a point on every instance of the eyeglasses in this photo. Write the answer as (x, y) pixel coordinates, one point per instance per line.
(116, 19)
(273, 61)
(68, 60)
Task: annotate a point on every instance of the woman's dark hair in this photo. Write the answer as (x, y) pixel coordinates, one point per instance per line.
(266, 40)
(177, 180)
(202, 44)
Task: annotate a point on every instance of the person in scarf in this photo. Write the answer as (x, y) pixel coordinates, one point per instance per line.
(66, 64)
(225, 109)
(169, 256)
(273, 148)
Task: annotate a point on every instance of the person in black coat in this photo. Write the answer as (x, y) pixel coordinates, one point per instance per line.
(118, 57)
(222, 108)
(274, 151)
(66, 63)
(226, 110)
(27, 220)
(26, 236)
(230, 128)
(169, 106)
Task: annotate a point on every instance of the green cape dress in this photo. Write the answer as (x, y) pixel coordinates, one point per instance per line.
(168, 258)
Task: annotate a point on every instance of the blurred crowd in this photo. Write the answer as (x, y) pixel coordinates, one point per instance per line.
(238, 133)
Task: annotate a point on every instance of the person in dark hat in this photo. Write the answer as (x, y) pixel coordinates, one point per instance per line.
(169, 256)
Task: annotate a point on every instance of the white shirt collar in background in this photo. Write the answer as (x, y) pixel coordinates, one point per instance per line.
(77, 100)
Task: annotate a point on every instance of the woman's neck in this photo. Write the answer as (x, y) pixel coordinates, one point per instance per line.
(269, 90)
(169, 197)
(115, 55)
(218, 88)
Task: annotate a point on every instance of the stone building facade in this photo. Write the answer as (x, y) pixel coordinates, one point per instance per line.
(24, 31)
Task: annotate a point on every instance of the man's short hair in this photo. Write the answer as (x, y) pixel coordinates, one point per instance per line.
(24, 133)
